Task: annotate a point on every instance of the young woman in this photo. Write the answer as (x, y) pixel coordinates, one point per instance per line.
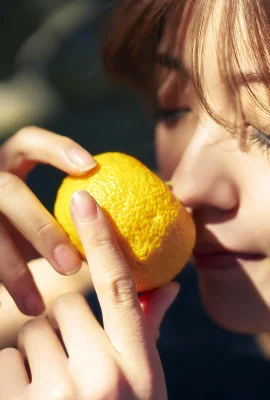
(205, 66)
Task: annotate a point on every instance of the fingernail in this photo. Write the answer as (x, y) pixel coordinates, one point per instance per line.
(67, 259)
(81, 159)
(34, 304)
(84, 205)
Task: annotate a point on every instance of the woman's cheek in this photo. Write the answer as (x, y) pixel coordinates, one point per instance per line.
(168, 151)
(172, 139)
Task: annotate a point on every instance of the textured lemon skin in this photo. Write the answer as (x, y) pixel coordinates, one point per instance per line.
(155, 232)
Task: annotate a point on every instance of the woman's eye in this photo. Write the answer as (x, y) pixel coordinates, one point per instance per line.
(260, 139)
(163, 115)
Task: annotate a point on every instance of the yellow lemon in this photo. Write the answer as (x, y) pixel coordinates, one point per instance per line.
(155, 232)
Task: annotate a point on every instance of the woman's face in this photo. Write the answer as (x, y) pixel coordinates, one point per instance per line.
(227, 189)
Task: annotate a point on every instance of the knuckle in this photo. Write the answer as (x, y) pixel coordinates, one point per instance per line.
(102, 238)
(26, 130)
(63, 142)
(18, 273)
(119, 287)
(7, 183)
(62, 392)
(9, 354)
(115, 388)
(66, 299)
(33, 325)
(67, 141)
(42, 229)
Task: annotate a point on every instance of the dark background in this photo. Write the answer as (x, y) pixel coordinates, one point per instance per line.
(51, 76)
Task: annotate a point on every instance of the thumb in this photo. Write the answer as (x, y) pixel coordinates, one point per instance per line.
(156, 303)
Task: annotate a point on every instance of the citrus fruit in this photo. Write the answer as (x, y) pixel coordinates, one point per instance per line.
(155, 232)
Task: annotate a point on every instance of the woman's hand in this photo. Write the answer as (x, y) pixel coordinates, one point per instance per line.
(51, 285)
(27, 229)
(118, 362)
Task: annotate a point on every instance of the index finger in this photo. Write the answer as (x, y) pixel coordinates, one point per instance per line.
(32, 145)
(123, 318)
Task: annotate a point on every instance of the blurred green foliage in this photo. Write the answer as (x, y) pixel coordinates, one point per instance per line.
(51, 76)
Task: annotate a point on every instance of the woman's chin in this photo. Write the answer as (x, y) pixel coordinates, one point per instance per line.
(229, 321)
(235, 307)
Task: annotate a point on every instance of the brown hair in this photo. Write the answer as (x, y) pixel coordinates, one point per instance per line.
(129, 54)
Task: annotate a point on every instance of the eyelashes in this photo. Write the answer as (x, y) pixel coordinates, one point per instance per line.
(257, 137)
(260, 139)
(166, 115)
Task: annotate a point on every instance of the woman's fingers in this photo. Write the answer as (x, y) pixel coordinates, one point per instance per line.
(156, 303)
(21, 208)
(35, 338)
(47, 360)
(123, 318)
(90, 352)
(79, 328)
(36, 224)
(32, 145)
(133, 347)
(13, 376)
(17, 278)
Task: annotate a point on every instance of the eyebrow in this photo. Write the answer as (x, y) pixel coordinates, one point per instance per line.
(174, 63)
(249, 77)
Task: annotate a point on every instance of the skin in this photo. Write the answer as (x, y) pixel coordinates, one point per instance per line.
(51, 285)
(124, 352)
(27, 230)
(225, 189)
(223, 186)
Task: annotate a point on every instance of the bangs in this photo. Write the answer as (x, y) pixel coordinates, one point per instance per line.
(131, 38)
(134, 31)
(254, 19)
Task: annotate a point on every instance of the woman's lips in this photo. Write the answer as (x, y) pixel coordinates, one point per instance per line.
(225, 260)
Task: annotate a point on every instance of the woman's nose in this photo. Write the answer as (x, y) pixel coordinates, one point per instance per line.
(204, 176)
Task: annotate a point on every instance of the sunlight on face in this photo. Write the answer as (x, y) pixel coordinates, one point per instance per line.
(226, 188)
